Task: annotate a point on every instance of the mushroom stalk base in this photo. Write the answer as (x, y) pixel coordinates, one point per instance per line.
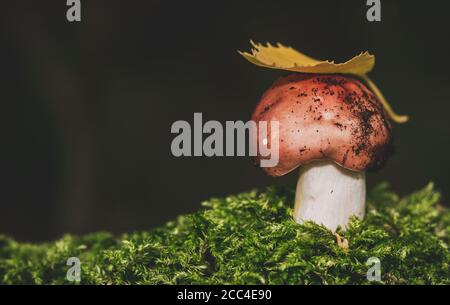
(329, 194)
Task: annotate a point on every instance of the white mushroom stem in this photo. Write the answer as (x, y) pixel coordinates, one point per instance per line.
(329, 194)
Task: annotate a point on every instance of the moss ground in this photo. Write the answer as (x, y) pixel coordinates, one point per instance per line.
(250, 238)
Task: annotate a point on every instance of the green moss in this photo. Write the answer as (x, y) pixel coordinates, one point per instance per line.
(251, 238)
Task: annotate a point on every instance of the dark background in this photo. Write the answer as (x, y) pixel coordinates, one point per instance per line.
(87, 107)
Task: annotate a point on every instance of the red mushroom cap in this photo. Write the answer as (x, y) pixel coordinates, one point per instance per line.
(325, 117)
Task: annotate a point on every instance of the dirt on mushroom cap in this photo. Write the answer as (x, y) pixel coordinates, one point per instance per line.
(326, 116)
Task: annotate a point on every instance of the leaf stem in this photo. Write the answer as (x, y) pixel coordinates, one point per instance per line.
(391, 113)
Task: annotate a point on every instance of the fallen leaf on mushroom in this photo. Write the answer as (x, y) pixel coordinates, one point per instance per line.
(286, 58)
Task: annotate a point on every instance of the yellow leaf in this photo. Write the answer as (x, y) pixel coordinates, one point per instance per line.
(341, 241)
(286, 58)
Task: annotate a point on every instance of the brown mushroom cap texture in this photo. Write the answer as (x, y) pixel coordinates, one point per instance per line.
(326, 116)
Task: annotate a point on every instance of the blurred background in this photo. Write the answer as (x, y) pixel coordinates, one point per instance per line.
(88, 106)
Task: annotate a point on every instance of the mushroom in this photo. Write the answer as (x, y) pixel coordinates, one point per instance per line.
(334, 129)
